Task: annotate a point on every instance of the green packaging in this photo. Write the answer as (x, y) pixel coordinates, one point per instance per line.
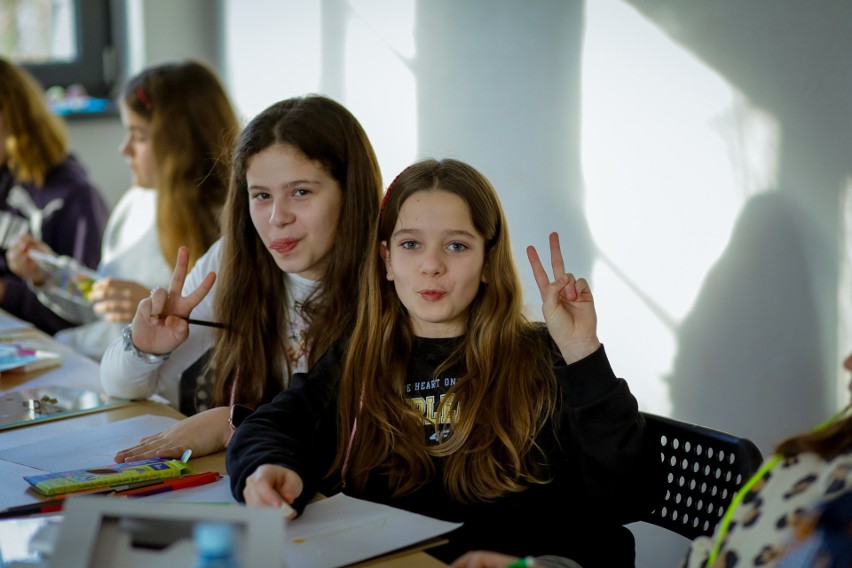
(107, 476)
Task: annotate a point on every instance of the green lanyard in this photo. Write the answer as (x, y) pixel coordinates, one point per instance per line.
(740, 495)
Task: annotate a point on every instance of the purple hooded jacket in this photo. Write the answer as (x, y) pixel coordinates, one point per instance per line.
(68, 213)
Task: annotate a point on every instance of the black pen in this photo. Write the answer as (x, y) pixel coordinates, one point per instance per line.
(188, 319)
(33, 509)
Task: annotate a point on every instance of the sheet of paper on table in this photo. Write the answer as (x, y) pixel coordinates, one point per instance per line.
(90, 446)
(332, 532)
(341, 530)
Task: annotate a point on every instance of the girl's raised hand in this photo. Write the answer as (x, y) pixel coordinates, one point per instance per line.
(158, 326)
(567, 305)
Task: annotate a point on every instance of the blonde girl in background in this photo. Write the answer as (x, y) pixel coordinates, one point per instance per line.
(45, 194)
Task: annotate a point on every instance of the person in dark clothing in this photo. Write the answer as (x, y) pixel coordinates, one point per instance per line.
(448, 402)
(44, 192)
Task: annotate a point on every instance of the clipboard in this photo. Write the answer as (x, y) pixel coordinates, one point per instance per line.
(37, 405)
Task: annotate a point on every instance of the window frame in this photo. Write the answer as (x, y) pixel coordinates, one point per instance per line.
(99, 54)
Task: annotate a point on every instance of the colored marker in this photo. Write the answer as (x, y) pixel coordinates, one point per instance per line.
(54, 505)
(173, 484)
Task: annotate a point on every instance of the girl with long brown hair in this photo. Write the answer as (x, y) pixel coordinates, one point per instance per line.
(304, 196)
(445, 400)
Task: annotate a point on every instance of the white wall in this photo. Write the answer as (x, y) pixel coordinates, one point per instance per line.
(695, 158)
(95, 141)
(158, 31)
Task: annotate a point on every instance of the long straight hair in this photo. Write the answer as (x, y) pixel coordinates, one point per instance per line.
(506, 391)
(193, 127)
(36, 139)
(252, 294)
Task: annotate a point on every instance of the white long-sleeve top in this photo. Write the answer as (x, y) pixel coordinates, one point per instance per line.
(130, 250)
(125, 376)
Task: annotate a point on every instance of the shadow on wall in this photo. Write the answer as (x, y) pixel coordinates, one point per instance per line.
(749, 358)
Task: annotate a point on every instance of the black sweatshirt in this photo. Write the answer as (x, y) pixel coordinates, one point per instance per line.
(604, 471)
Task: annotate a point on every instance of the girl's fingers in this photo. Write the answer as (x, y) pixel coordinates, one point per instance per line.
(541, 278)
(195, 297)
(584, 291)
(566, 283)
(158, 300)
(556, 260)
(179, 275)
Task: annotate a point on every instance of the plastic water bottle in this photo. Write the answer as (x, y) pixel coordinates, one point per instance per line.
(214, 545)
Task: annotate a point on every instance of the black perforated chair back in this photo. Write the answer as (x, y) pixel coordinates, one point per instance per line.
(704, 468)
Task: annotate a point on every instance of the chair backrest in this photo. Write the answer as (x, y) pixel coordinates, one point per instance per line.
(704, 468)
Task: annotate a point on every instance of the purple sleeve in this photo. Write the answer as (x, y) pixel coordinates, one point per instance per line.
(73, 230)
(77, 228)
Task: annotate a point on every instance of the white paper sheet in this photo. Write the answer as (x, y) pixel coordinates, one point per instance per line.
(332, 532)
(84, 448)
(336, 531)
(342, 530)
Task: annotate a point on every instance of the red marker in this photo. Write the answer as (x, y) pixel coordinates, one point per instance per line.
(173, 484)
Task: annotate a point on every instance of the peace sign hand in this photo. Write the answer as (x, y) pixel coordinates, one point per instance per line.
(567, 305)
(158, 326)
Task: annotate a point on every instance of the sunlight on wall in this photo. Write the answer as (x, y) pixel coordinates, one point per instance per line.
(660, 134)
(285, 44)
(380, 47)
(367, 64)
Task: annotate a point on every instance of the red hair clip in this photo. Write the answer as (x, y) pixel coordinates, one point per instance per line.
(388, 190)
(140, 94)
(385, 199)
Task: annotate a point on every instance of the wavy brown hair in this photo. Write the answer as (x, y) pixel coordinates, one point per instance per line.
(828, 441)
(252, 293)
(36, 138)
(193, 127)
(506, 391)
